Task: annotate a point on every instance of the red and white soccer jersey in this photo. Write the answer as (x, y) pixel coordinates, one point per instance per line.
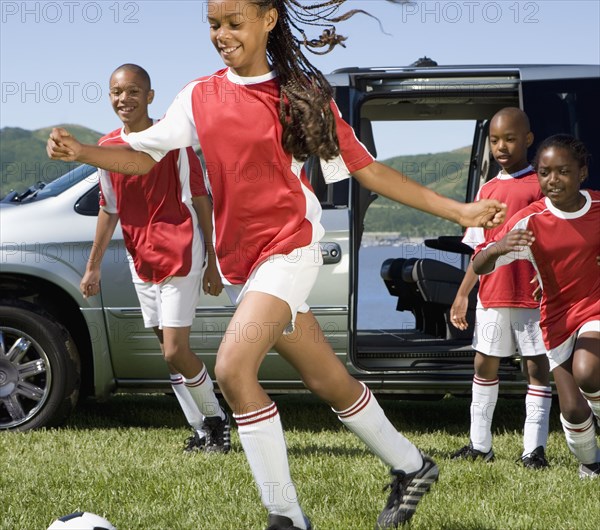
(564, 255)
(155, 211)
(508, 286)
(263, 202)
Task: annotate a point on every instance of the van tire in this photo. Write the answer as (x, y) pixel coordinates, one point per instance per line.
(39, 381)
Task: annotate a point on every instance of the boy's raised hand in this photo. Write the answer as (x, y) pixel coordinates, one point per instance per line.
(486, 213)
(62, 146)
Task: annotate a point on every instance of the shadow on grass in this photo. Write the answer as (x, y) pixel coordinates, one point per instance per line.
(465, 526)
(305, 413)
(149, 411)
(321, 450)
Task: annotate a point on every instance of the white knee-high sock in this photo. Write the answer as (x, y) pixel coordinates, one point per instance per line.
(203, 394)
(581, 439)
(190, 410)
(594, 403)
(483, 404)
(366, 419)
(262, 438)
(537, 409)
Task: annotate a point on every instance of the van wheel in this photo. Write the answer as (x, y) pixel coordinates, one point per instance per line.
(39, 369)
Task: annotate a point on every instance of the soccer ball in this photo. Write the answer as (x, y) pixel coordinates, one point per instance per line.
(81, 521)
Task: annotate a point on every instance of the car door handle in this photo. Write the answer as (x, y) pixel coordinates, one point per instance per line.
(331, 252)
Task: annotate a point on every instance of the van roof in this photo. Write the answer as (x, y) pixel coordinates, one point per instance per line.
(526, 72)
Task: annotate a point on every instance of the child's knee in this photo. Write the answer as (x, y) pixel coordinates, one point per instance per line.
(229, 374)
(221, 371)
(486, 366)
(332, 387)
(586, 375)
(588, 382)
(538, 371)
(175, 352)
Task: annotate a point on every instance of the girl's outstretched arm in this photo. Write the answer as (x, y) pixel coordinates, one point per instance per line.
(390, 183)
(119, 159)
(515, 241)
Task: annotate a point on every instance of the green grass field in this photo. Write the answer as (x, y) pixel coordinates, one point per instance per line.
(123, 460)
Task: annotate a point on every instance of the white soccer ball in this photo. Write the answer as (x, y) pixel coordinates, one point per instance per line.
(81, 521)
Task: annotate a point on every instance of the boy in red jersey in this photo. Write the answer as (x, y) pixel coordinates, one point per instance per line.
(507, 314)
(159, 218)
(559, 235)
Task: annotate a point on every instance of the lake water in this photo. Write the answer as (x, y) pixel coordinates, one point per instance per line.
(376, 307)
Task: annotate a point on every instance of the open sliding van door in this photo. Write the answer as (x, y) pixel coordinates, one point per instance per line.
(422, 352)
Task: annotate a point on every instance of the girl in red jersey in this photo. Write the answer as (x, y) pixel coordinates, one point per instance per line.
(257, 121)
(560, 236)
(507, 314)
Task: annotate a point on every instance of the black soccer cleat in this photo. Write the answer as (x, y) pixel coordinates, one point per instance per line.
(280, 522)
(589, 470)
(468, 452)
(217, 434)
(194, 443)
(535, 460)
(406, 492)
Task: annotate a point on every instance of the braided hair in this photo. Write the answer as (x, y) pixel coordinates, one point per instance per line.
(305, 113)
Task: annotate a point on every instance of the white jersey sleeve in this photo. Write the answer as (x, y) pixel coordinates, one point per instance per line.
(334, 170)
(184, 176)
(522, 253)
(353, 154)
(108, 193)
(474, 235)
(174, 131)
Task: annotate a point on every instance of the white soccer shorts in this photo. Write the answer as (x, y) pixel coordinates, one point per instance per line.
(499, 331)
(561, 353)
(289, 277)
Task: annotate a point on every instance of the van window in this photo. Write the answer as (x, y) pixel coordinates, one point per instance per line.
(436, 154)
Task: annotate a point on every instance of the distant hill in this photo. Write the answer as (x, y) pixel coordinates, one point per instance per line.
(446, 173)
(24, 159)
(24, 162)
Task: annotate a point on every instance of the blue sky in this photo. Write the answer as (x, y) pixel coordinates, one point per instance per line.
(56, 56)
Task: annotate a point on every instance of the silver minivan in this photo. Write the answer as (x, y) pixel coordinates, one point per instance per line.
(382, 299)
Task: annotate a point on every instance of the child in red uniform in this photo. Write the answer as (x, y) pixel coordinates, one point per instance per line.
(560, 236)
(507, 315)
(159, 214)
(257, 121)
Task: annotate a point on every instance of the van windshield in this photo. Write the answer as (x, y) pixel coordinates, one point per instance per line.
(42, 191)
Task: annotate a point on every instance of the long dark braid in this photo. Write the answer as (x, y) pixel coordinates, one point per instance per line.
(305, 112)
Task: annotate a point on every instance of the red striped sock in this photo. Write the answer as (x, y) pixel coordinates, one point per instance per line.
(537, 409)
(483, 404)
(190, 410)
(201, 389)
(593, 400)
(261, 436)
(366, 419)
(581, 439)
